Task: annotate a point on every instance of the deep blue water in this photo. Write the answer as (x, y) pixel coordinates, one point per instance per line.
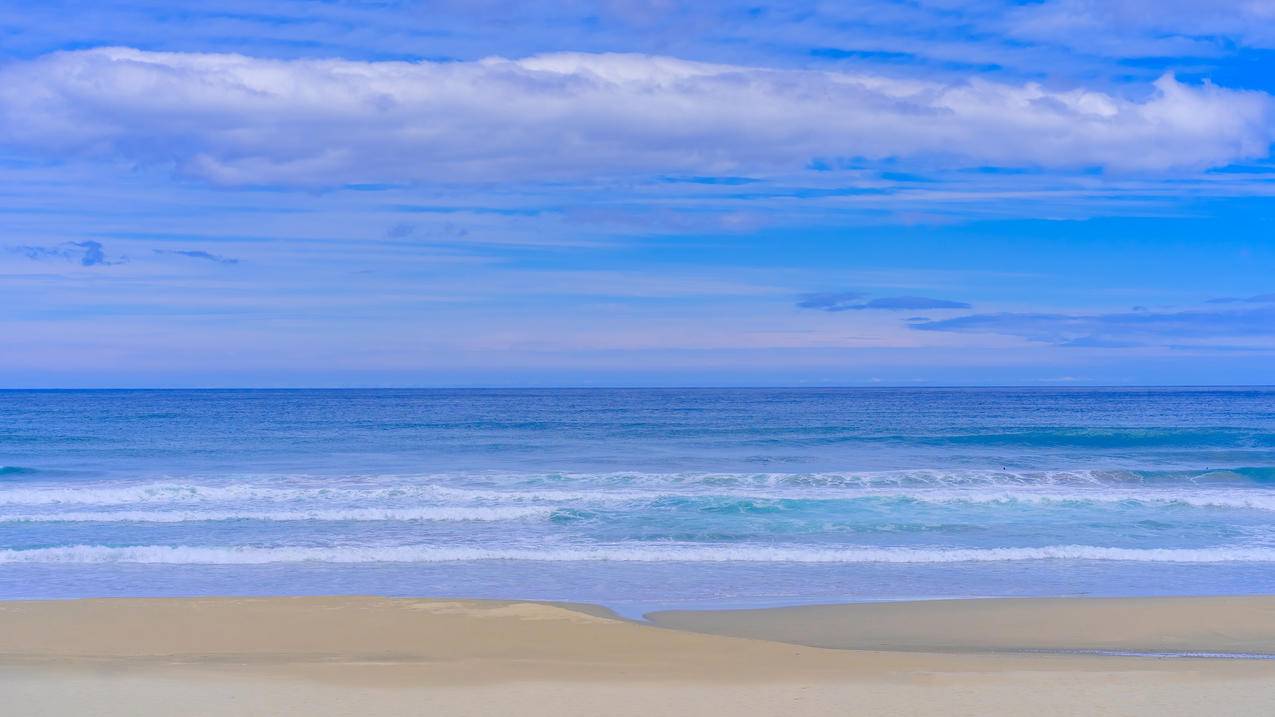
(639, 497)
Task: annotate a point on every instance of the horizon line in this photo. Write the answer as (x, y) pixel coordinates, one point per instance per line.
(636, 388)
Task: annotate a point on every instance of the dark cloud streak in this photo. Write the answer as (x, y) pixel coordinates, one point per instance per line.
(1114, 330)
(198, 254)
(853, 301)
(1258, 299)
(913, 303)
(87, 253)
(829, 301)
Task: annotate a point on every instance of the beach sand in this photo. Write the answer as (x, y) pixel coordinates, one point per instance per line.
(378, 656)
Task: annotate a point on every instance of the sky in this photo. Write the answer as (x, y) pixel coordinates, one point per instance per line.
(628, 193)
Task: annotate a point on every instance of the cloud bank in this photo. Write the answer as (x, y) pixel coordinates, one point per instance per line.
(239, 120)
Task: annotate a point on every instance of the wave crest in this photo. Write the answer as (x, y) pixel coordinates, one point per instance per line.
(226, 555)
(449, 514)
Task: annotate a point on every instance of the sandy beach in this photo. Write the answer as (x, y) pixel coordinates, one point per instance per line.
(377, 656)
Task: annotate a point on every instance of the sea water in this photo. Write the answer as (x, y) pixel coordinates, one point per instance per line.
(639, 497)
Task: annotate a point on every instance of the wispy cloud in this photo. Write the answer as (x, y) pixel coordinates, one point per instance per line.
(830, 301)
(853, 301)
(1007, 35)
(914, 302)
(1258, 299)
(86, 253)
(41, 252)
(93, 255)
(1144, 28)
(1114, 330)
(198, 254)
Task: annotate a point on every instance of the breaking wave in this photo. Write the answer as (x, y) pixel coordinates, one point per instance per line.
(187, 555)
(400, 495)
(476, 513)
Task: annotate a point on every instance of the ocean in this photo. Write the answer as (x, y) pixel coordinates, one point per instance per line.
(639, 498)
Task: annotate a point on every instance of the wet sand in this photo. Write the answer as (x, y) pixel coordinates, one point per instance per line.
(377, 656)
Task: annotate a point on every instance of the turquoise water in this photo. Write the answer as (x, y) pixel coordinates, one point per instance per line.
(639, 497)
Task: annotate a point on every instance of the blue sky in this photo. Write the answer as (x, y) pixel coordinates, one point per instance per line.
(637, 193)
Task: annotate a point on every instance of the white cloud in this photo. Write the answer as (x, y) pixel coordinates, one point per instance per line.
(1151, 28)
(240, 120)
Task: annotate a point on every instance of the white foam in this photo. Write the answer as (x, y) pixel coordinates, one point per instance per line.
(457, 513)
(189, 555)
(769, 488)
(1250, 499)
(177, 494)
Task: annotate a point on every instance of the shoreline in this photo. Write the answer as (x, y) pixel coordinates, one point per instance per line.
(329, 656)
